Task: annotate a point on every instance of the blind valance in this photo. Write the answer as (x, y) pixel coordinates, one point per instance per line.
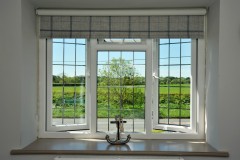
(173, 26)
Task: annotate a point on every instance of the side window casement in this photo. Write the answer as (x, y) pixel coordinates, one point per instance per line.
(66, 85)
(178, 79)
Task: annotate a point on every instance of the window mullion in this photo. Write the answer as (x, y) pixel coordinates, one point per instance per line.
(194, 69)
(93, 89)
(49, 83)
(148, 93)
(88, 84)
(155, 95)
(133, 92)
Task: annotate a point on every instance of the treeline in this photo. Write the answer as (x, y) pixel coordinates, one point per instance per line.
(58, 80)
(174, 80)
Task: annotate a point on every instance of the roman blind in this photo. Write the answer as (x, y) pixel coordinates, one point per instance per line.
(162, 26)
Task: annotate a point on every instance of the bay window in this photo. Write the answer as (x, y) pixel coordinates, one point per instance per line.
(124, 68)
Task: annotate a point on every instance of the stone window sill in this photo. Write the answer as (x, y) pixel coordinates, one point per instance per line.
(134, 147)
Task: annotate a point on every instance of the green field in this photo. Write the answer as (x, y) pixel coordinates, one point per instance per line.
(173, 89)
(109, 106)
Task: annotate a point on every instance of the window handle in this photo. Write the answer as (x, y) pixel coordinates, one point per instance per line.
(154, 76)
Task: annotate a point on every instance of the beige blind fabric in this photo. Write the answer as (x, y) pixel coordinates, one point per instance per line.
(122, 26)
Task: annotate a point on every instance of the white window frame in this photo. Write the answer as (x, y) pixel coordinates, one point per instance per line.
(46, 58)
(94, 48)
(197, 131)
(197, 82)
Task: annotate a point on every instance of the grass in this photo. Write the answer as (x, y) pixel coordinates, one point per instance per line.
(129, 110)
(68, 89)
(173, 89)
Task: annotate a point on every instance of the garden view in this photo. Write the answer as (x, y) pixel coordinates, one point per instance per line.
(120, 90)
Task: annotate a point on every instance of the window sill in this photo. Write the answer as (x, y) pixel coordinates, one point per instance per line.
(134, 147)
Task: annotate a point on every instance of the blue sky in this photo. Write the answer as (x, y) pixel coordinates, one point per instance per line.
(138, 58)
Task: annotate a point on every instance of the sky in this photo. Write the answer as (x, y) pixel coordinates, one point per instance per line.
(135, 58)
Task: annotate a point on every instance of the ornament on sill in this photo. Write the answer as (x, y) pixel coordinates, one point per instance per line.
(119, 124)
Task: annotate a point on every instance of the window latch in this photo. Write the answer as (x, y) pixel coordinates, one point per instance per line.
(154, 76)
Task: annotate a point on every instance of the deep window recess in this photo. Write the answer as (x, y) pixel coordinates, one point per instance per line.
(155, 85)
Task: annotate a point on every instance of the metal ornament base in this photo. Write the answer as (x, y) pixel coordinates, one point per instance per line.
(118, 141)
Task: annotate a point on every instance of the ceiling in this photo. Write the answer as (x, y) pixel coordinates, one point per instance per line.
(121, 4)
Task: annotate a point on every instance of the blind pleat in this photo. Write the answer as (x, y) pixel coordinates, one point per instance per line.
(122, 27)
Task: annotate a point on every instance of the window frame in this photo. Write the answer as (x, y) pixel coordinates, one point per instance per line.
(91, 76)
(50, 127)
(193, 93)
(94, 48)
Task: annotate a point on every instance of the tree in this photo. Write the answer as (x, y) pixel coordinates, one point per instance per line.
(56, 79)
(119, 75)
(119, 71)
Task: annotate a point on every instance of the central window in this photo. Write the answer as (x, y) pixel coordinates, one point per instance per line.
(151, 84)
(121, 89)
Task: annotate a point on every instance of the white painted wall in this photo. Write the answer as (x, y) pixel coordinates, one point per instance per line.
(10, 75)
(222, 103)
(29, 75)
(223, 77)
(18, 75)
(229, 77)
(212, 75)
(18, 68)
